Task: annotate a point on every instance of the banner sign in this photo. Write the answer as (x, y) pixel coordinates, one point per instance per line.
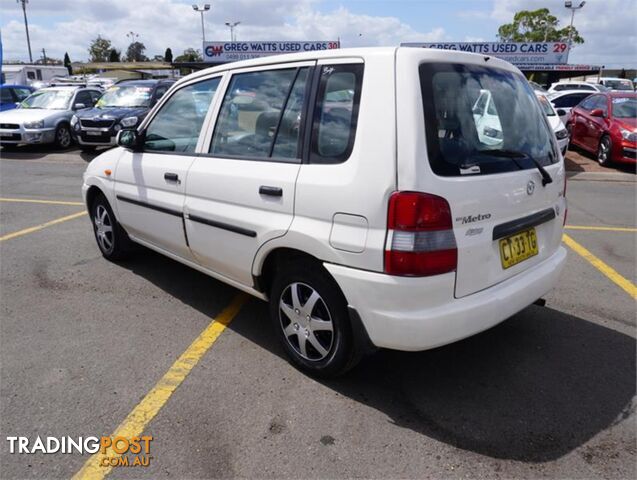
(517, 53)
(232, 51)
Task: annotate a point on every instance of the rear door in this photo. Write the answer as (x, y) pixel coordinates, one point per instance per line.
(505, 221)
(240, 194)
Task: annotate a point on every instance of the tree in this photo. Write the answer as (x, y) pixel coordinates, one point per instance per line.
(67, 63)
(168, 55)
(536, 26)
(135, 52)
(99, 50)
(114, 55)
(189, 55)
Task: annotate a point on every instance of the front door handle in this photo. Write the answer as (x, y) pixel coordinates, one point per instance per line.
(271, 191)
(171, 177)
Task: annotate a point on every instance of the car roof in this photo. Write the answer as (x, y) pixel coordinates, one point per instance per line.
(626, 94)
(561, 93)
(146, 83)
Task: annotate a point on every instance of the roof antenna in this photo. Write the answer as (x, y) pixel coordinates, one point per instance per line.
(486, 59)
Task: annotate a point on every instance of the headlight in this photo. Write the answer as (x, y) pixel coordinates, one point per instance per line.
(37, 124)
(492, 132)
(128, 121)
(73, 120)
(560, 134)
(628, 135)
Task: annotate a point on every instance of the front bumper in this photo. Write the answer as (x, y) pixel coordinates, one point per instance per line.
(30, 136)
(626, 152)
(414, 314)
(563, 145)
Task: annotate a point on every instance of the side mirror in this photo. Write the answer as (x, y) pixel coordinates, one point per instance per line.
(597, 112)
(561, 112)
(129, 139)
(79, 106)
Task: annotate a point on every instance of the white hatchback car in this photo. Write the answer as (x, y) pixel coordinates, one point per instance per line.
(352, 190)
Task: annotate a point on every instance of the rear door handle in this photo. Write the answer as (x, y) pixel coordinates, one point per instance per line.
(171, 177)
(271, 191)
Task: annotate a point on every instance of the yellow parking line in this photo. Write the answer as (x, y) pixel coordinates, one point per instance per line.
(19, 233)
(151, 404)
(46, 202)
(628, 286)
(601, 229)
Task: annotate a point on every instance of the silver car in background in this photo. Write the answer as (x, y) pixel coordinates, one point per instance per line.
(45, 115)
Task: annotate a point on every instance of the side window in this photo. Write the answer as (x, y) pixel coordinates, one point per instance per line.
(600, 102)
(31, 75)
(589, 103)
(177, 125)
(569, 101)
(83, 97)
(6, 96)
(159, 92)
(95, 95)
(38, 73)
(260, 115)
(336, 113)
(21, 93)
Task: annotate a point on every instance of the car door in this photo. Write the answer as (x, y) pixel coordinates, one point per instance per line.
(596, 126)
(579, 120)
(150, 184)
(240, 194)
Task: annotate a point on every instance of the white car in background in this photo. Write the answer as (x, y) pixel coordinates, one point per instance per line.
(563, 102)
(617, 84)
(487, 120)
(561, 134)
(44, 116)
(575, 85)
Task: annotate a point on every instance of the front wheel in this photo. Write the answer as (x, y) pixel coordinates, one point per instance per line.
(63, 138)
(604, 151)
(310, 318)
(111, 238)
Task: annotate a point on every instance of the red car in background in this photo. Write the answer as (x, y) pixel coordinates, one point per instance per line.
(606, 124)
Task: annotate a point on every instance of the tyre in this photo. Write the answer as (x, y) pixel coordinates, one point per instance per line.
(87, 148)
(604, 151)
(111, 238)
(63, 137)
(310, 317)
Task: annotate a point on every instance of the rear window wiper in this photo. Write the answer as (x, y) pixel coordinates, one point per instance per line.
(514, 155)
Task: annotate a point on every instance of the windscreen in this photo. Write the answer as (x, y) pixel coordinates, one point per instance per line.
(48, 99)
(126, 96)
(482, 120)
(624, 107)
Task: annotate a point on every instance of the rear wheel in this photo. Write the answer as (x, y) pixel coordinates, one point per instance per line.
(310, 318)
(111, 238)
(63, 136)
(604, 151)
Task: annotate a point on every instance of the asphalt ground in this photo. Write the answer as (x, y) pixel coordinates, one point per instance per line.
(89, 347)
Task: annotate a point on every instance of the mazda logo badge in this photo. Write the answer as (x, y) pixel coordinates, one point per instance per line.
(530, 187)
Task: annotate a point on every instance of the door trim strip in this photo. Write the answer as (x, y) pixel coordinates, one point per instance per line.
(223, 226)
(151, 206)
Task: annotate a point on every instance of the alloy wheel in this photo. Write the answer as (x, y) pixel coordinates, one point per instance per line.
(103, 228)
(64, 137)
(306, 321)
(603, 151)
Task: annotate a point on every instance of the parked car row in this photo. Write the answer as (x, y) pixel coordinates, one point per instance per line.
(60, 115)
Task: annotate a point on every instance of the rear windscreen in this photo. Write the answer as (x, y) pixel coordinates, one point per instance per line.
(481, 120)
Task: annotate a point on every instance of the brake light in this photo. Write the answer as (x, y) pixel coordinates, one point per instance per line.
(420, 238)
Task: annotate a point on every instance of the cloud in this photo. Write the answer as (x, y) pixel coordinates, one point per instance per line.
(609, 28)
(170, 23)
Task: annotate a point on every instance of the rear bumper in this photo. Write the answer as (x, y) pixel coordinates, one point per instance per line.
(413, 314)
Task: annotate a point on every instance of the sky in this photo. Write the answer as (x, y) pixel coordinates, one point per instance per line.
(609, 27)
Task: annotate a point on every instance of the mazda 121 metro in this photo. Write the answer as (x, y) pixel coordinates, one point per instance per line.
(401, 198)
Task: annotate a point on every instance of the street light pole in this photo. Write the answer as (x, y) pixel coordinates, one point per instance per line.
(569, 4)
(26, 26)
(201, 10)
(232, 25)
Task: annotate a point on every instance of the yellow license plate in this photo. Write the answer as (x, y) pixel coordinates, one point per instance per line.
(518, 247)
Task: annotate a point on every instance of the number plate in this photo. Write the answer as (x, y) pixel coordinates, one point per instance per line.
(518, 247)
(95, 133)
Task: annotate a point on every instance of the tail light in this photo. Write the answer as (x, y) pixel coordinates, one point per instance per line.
(421, 240)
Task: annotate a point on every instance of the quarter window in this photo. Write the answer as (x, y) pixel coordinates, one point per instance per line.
(261, 115)
(336, 113)
(177, 125)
